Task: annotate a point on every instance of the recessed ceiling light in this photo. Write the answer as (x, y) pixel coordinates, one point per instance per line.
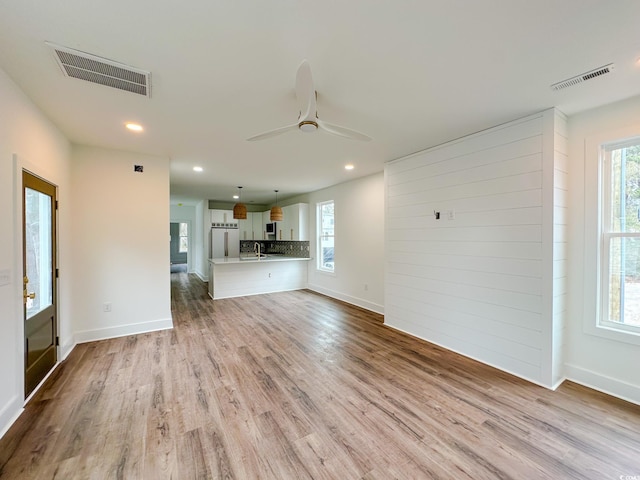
(134, 126)
(197, 169)
(349, 166)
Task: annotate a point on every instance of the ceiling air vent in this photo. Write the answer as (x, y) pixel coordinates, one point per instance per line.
(91, 68)
(570, 82)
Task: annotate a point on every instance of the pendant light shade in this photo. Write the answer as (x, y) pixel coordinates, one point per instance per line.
(240, 209)
(276, 211)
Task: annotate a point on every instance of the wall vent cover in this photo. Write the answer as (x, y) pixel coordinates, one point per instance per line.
(570, 82)
(102, 71)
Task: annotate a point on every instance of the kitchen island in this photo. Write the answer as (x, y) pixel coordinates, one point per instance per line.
(240, 276)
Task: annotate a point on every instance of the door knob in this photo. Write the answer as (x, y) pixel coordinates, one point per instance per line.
(26, 295)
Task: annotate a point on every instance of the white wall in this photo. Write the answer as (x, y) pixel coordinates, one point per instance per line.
(602, 360)
(479, 280)
(359, 243)
(120, 243)
(39, 147)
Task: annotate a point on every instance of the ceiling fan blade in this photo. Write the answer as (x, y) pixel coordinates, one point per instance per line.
(273, 133)
(305, 92)
(342, 131)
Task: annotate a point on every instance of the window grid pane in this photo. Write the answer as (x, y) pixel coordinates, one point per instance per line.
(620, 246)
(326, 237)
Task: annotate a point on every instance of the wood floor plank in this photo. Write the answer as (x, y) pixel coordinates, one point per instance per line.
(296, 385)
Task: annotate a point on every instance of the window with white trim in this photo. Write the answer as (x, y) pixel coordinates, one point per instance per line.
(620, 235)
(326, 236)
(184, 238)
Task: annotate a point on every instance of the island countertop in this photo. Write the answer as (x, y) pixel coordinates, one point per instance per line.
(252, 260)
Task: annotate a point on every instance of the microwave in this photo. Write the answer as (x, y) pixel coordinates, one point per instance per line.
(271, 227)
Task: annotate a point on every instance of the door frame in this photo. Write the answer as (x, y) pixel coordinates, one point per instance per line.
(48, 360)
(20, 165)
(191, 252)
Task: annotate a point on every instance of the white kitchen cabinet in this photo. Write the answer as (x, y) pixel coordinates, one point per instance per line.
(222, 216)
(251, 228)
(257, 226)
(246, 227)
(266, 218)
(295, 224)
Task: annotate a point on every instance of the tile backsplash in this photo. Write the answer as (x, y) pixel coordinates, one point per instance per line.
(277, 247)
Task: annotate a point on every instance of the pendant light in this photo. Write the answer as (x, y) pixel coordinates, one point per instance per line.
(240, 209)
(276, 211)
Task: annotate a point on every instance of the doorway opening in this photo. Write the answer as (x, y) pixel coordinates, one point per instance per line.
(179, 250)
(39, 279)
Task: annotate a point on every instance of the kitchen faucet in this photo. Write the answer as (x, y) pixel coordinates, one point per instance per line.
(256, 249)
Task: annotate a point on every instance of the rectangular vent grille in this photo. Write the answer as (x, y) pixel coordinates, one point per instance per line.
(570, 82)
(98, 70)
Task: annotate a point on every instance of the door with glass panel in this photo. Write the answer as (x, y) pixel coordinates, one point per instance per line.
(39, 278)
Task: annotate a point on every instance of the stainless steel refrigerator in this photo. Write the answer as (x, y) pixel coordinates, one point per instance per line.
(224, 240)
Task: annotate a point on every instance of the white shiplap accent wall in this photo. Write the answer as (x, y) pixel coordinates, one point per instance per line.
(560, 242)
(479, 280)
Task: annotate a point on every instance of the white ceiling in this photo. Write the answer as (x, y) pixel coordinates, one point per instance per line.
(409, 73)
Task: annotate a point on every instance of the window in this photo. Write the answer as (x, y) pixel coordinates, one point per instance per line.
(620, 236)
(184, 238)
(326, 236)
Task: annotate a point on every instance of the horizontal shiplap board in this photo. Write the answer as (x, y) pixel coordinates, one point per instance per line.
(560, 197)
(508, 315)
(500, 233)
(526, 152)
(561, 180)
(507, 168)
(520, 301)
(508, 335)
(559, 268)
(482, 203)
(561, 162)
(472, 280)
(468, 345)
(513, 266)
(521, 250)
(509, 283)
(514, 183)
(514, 132)
(560, 233)
(560, 215)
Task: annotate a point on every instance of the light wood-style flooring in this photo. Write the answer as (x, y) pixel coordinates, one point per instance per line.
(295, 386)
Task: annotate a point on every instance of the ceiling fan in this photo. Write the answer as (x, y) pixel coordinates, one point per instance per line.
(308, 120)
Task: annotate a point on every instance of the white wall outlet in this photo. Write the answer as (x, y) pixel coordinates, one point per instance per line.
(5, 277)
(106, 307)
(451, 214)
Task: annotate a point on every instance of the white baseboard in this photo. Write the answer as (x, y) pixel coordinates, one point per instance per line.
(603, 383)
(201, 276)
(123, 330)
(10, 413)
(66, 349)
(358, 302)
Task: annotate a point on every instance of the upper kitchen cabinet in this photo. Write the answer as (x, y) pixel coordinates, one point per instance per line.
(251, 228)
(222, 216)
(258, 227)
(295, 223)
